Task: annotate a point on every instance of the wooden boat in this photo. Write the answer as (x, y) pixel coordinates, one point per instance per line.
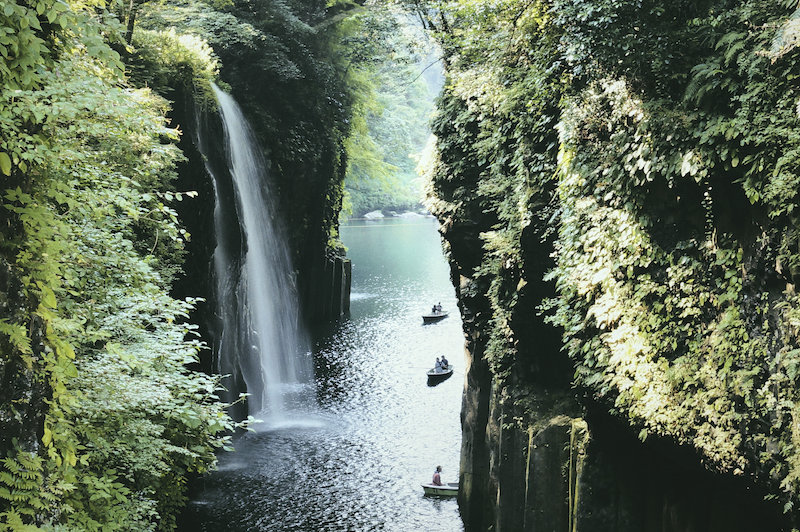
(435, 377)
(434, 316)
(447, 490)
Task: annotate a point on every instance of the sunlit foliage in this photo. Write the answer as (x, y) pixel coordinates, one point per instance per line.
(91, 241)
(393, 105)
(660, 142)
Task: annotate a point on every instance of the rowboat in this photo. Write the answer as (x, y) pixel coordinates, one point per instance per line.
(435, 377)
(434, 316)
(447, 490)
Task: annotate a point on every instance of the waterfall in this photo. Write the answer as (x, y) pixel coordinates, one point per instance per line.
(258, 339)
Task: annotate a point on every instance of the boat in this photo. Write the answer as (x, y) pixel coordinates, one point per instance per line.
(435, 377)
(434, 316)
(447, 490)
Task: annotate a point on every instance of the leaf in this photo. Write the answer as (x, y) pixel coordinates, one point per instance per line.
(5, 163)
(48, 297)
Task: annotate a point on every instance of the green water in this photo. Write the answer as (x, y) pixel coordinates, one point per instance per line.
(356, 463)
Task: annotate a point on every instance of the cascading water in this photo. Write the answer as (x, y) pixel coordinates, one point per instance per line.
(258, 339)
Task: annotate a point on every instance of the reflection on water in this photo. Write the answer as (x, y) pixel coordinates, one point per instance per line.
(358, 462)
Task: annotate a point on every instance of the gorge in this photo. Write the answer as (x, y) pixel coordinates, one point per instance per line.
(616, 188)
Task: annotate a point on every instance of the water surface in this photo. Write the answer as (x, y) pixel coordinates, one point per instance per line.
(357, 462)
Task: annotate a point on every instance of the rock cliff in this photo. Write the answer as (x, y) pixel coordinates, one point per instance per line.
(616, 187)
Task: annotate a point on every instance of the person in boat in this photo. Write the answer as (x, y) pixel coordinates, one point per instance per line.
(438, 366)
(433, 310)
(445, 363)
(438, 306)
(437, 476)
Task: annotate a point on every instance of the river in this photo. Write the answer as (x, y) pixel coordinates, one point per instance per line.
(356, 462)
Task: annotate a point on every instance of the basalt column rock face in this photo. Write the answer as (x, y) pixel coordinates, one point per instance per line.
(202, 148)
(475, 495)
(622, 484)
(328, 289)
(512, 477)
(555, 466)
(521, 425)
(539, 451)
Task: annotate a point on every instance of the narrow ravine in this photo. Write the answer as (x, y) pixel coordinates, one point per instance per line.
(380, 429)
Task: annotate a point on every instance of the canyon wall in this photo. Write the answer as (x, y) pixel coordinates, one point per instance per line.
(617, 189)
(105, 224)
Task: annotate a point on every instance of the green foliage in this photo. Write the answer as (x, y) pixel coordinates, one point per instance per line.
(166, 60)
(22, 483)
(94, 241)
(29, 39)
(222, 29)
(668, 193)
(389, 131)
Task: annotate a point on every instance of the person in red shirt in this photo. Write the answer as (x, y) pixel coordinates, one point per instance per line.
(437, 477)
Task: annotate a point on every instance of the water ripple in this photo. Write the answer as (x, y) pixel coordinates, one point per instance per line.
(358, 462)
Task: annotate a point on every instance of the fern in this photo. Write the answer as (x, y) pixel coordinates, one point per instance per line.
(730, 39)
(705, 78)
(735, 44)
(12, 520)
(21, 486)
(17, 336)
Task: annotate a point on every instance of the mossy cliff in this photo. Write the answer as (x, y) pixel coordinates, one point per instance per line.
(281, 62)
(103, 414)
(618, 188)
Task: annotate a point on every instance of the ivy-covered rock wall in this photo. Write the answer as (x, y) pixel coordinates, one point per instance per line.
(617, 183)
(103, 414)
(281, 61)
